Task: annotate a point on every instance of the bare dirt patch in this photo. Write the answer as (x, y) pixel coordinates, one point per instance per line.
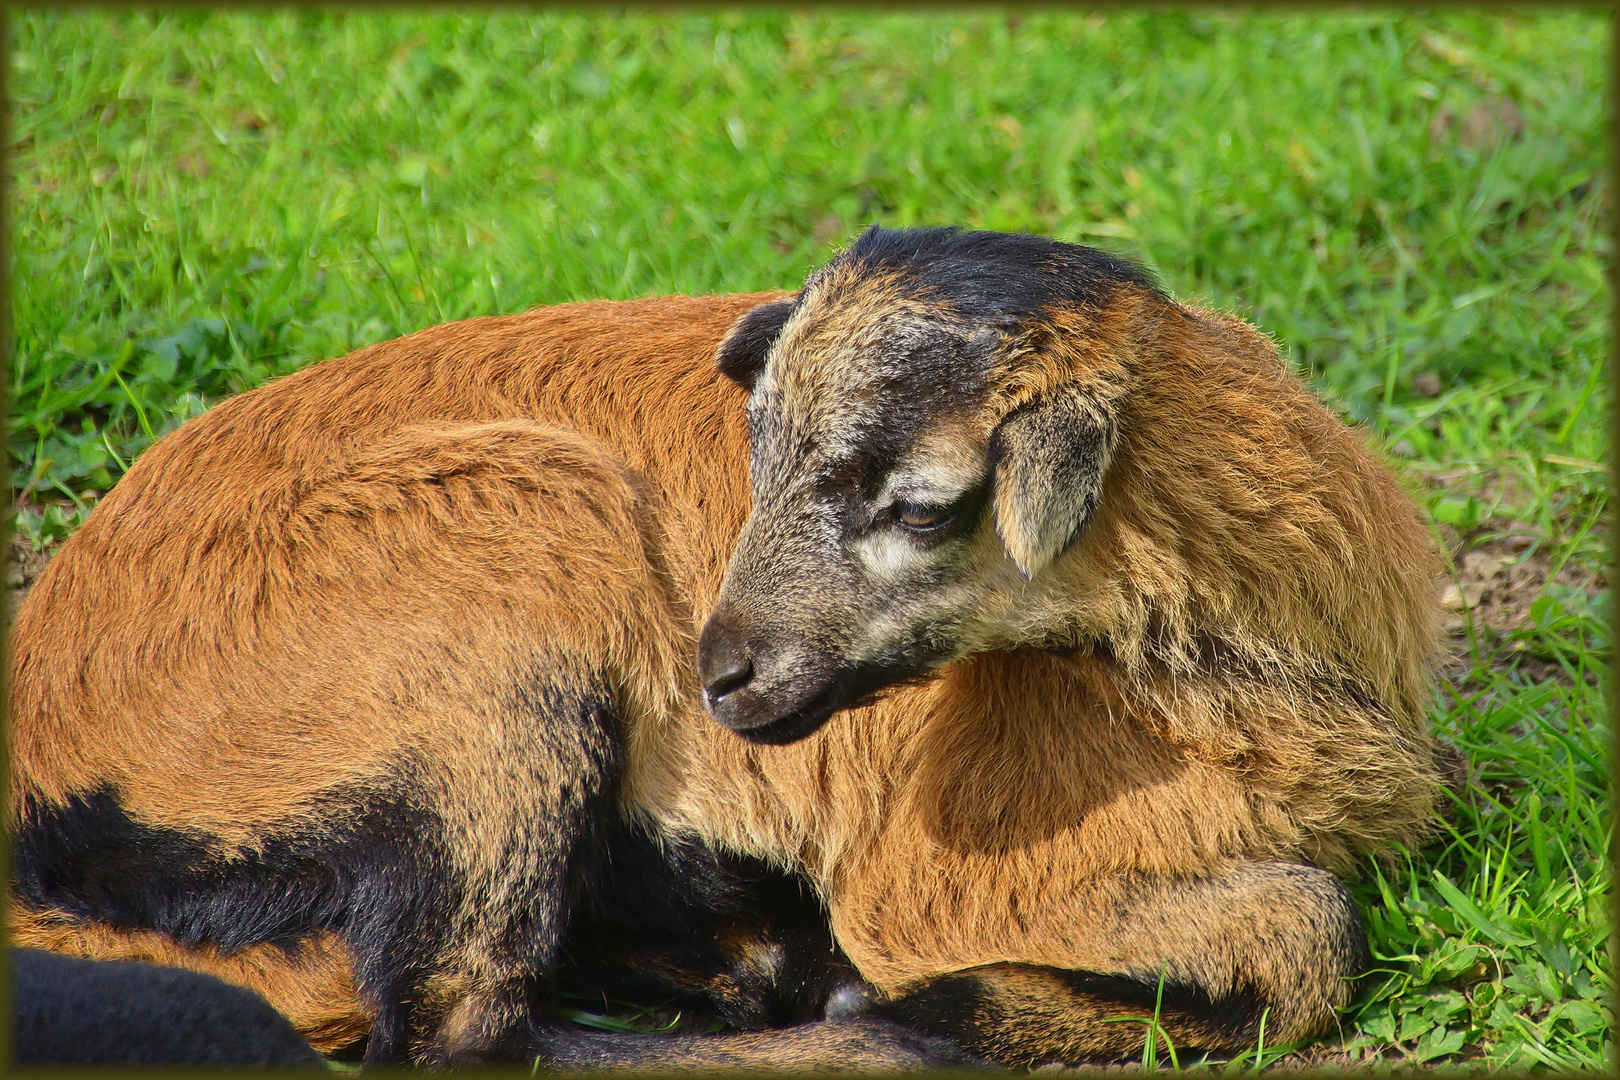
(1496, 583)
(1500, 566)
(23, 567)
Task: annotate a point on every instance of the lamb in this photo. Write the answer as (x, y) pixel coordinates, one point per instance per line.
(1043, 634)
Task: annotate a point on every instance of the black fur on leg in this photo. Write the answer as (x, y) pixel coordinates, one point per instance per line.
(371, 864)
(367, 864)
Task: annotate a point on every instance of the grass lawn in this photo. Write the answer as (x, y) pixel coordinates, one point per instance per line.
(1411, 205)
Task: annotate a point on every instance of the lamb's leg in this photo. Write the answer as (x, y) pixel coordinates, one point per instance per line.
(1276, 940)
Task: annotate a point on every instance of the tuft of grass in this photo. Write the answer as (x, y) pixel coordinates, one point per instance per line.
(1412, 205)
(1494, 943)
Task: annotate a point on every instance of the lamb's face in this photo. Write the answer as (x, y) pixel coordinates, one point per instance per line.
(905, 501)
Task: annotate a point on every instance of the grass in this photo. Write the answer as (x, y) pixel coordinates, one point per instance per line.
(1412, 205)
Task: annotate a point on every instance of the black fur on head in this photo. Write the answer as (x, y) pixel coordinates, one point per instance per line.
(741, 355)
(982, 274)
(990, 274)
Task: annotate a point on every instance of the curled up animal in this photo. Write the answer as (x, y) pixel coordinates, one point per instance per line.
(992, 650)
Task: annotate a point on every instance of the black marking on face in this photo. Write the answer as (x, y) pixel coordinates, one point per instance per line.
(853, 444)
(931, 523)
(770, 687)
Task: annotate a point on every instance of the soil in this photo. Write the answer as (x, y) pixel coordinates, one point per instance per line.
(23, 567)
(1498, 569)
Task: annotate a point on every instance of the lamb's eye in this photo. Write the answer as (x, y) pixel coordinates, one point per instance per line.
(922, 518)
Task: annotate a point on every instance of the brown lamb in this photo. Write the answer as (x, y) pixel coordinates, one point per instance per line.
(1074, 646)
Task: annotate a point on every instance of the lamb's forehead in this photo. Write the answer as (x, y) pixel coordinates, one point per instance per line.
(870, 356)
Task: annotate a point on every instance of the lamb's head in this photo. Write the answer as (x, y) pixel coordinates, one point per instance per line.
(931, 418)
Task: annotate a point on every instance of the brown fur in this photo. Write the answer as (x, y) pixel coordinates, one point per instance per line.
(225, 641)
(220, 642)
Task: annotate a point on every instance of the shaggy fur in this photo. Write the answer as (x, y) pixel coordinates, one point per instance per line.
(381, 662)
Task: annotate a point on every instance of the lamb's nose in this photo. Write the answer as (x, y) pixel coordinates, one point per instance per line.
(725, 662)
(738, 673)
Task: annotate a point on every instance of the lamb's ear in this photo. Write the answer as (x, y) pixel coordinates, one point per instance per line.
(1049, 457)
(741, 354)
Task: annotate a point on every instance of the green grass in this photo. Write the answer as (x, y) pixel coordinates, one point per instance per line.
(1412, 205)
